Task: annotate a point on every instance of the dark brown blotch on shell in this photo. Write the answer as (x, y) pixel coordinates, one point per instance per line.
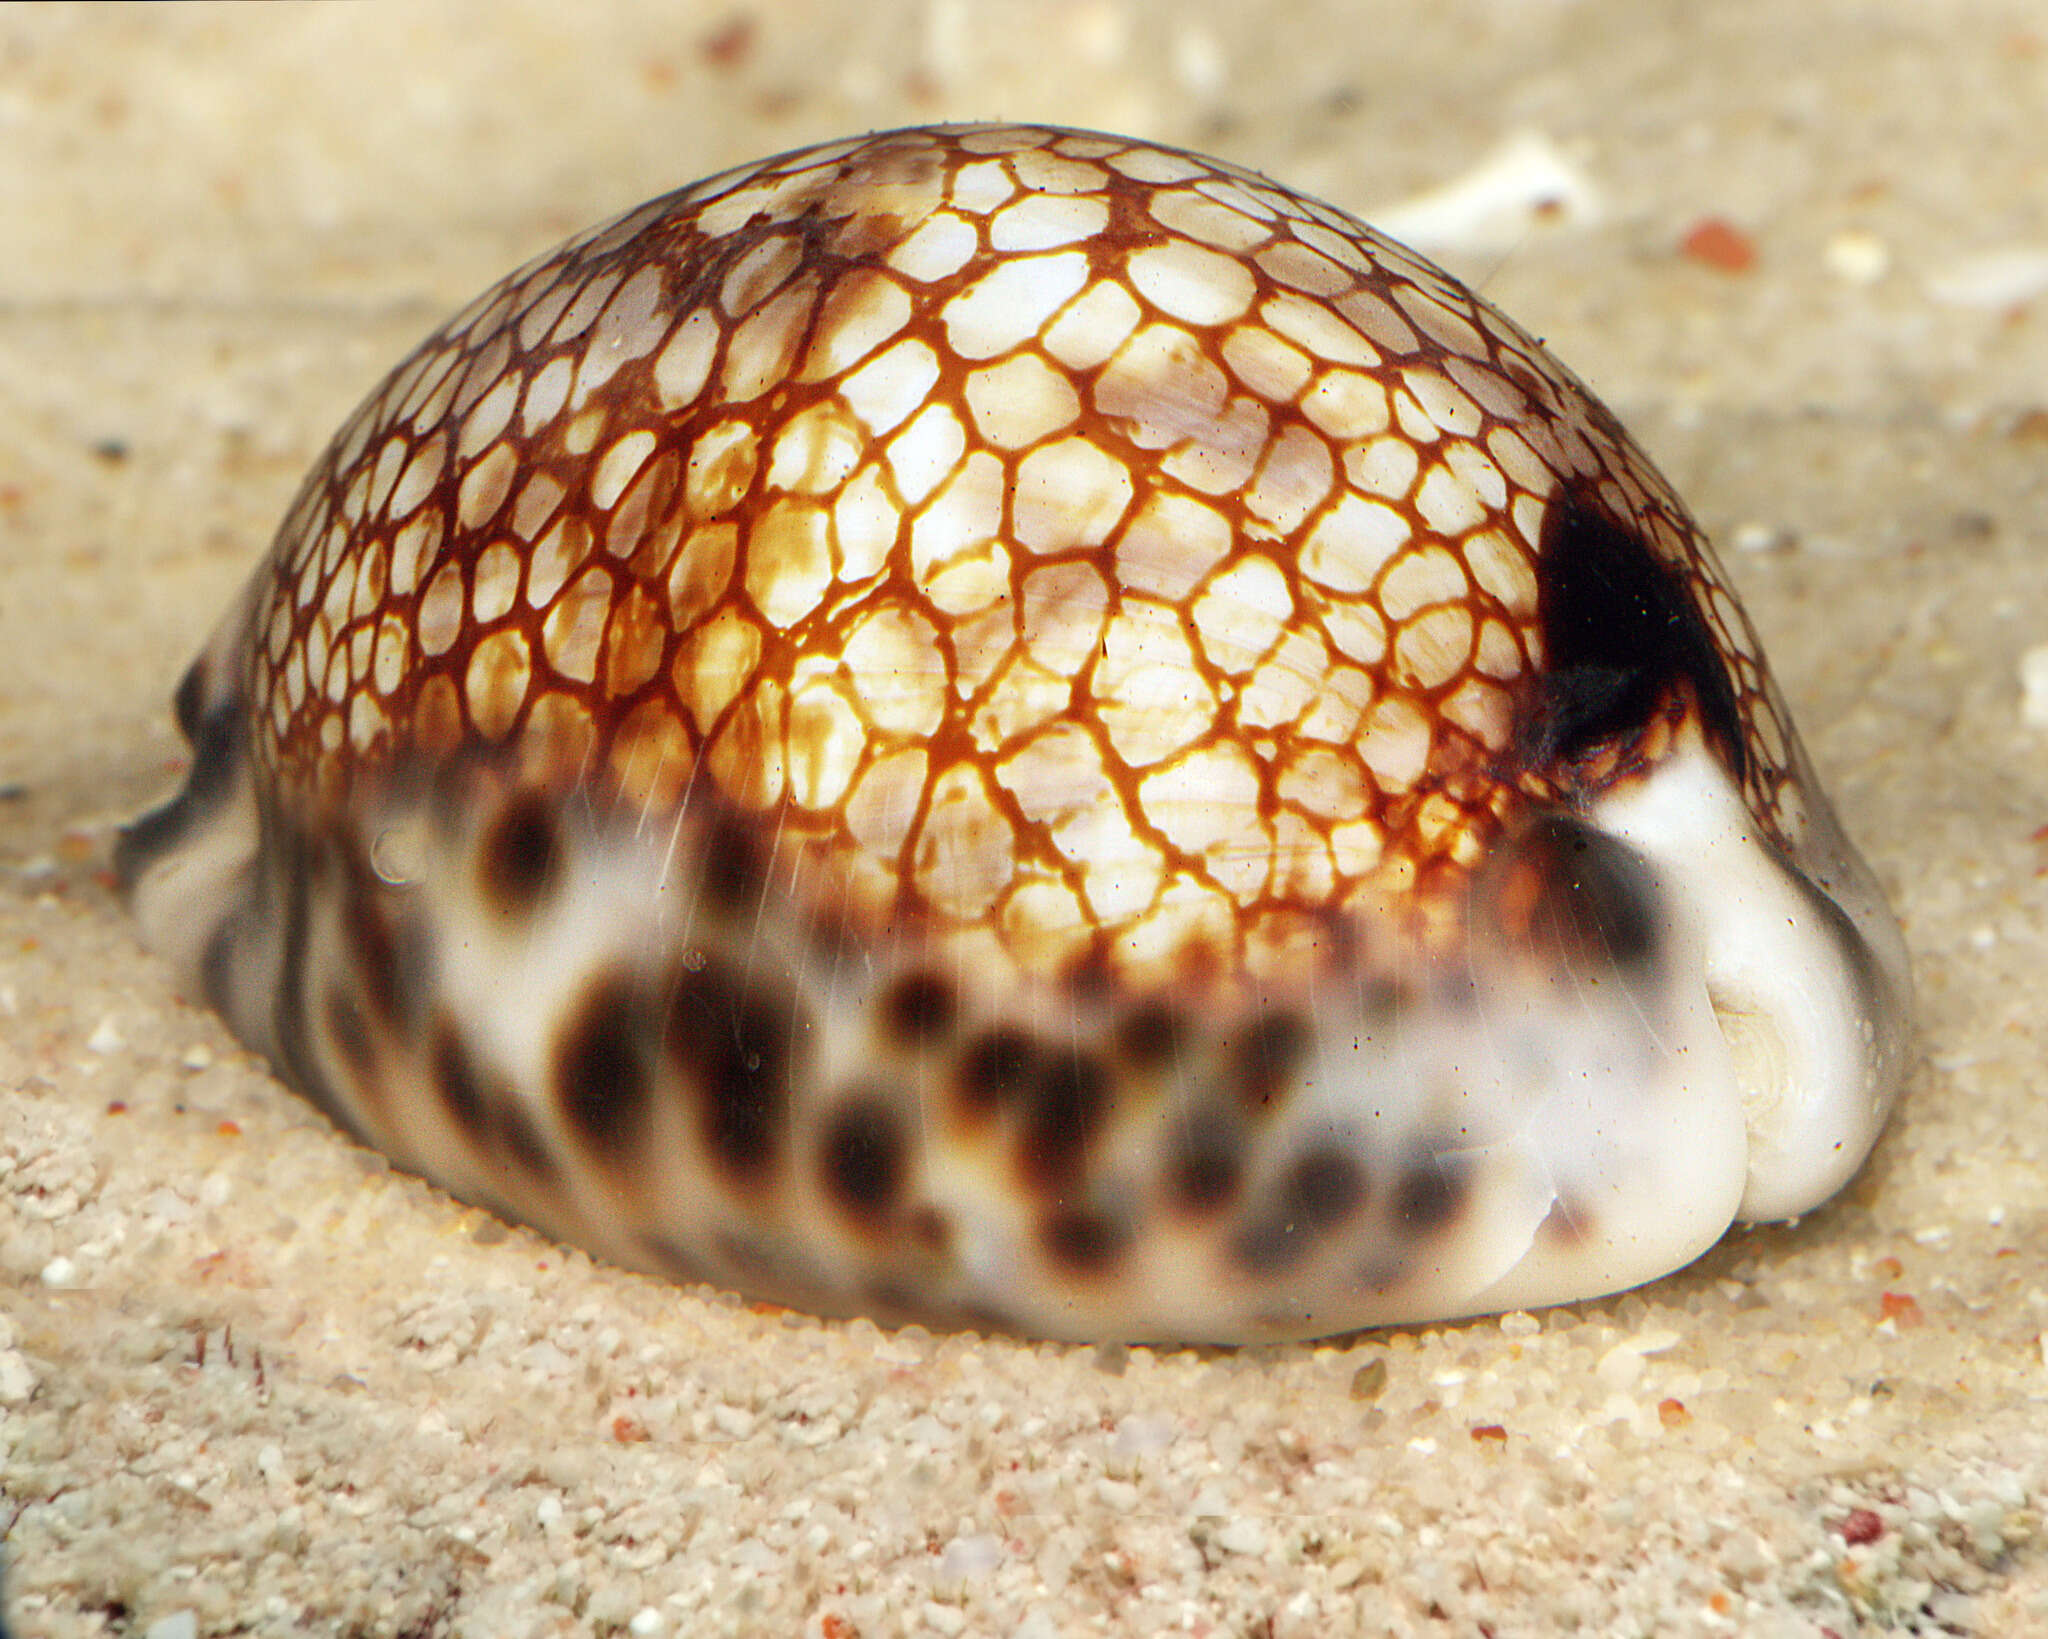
(1623, 629)
(373, 948)
(1084, 1243)
(603, 1080)
(1318, 1192)
(1585, 900)
(1152, 1035)
(732, 866)
(994, 1069)
(1569, 1223)
(521, 855)
(1431, 1194)
(491, 1119)
(1263, 1059)
(1064, 1111)
(1205, 1163)
(736, 1045)
(865, 1156)
(455, 1080)
(350, 1031)
(920, 1010)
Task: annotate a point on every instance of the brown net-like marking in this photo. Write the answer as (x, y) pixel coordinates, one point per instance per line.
(1103, 555)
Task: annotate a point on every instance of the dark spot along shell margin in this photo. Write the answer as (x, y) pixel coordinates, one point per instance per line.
(1263, 1059)
(1064, 1111)
(521, 854)
(1205, 1163)
(1430, 1195)
(919, 1010)
(603, 1080)
(1319, 1191)
(995, 1068)
(736, 1048)
(1084, 1242)
(865, 1157)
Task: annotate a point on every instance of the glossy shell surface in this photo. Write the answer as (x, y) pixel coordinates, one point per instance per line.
(1015, 727)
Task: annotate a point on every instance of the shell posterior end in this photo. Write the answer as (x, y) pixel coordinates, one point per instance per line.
(1804, 966)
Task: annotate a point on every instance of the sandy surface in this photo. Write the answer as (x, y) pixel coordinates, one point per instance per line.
(253, 1383)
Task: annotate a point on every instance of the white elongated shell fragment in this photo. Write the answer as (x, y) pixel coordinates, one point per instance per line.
(1011, 727)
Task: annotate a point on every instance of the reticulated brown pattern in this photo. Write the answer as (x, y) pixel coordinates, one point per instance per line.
(1100, 555)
